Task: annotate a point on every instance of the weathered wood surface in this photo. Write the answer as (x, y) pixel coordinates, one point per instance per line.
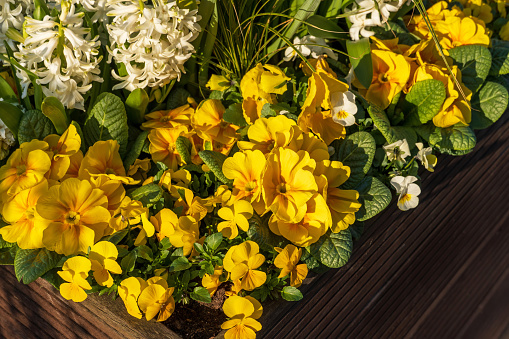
(440, 271)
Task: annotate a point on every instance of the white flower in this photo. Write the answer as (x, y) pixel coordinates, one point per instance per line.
(408, 192)
(378, 12)
(397, 151)
(291, 54)
(343, 108)
(6, 140)
(427, 159)
(309, 45)
(12, 15)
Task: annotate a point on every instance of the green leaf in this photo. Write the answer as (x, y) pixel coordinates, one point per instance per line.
(235, 115)
(333, 249)
(179, 264)
(53, 278)
(11, 116)
(324, 28)
(148, 194)
(374, 197)
(474, 62)
(499, 57)
(184, 147)
(145, 252)
(488, 105)
(135, 150)
(290, 293)
(359, 53)
(357, 151)
(6, 91)
(31, 264)
(107, 121)
(116, 237)
(260, 233)
(214, 240)
(423, 102)
(454, 140)
(177, 97)
(55, 111)
(34, 125)
(136, 105)
(391, 134)
(8, 254)
(214, 161)
(127, 263)
(201, 294)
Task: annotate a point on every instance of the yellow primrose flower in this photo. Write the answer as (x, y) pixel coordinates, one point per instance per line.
(164, 223)
(180, 116)
(103, 256)
(315, 223)
(73, 171)
(243, 312)
(242, 261)
(392, 45)
(25, 167)
(186, 234)
(308, 142)
(77, 213)
(461, 31)
(103, 159)
(209, 124)
(436, 13)
(288, 182)
(218, 83)
(26, 225)
(236, 216)
(139, 169)
(479, 10)
(212, 282)
(75, 273)
(391, 72)
(112, 189)
(157, 300)
(129, 290)
(63, 147)
(128, 213)
(287, 261)
(426, 52)
(268, 133)
(163, 145)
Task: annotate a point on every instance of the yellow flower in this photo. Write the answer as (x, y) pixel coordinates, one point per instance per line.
(195, 207)
(317, 149)
(236, 216)
(243, 312)
(129, 290)
(186, 234)
(163, 145)
(19, 211)
(180, 116)
(212, 282)
(242, 261)
(63, 147)
(426, 52)
(73, 171)
(75, 272)
(287, 261)
(25, 167)
(77, 213)
(209, 124)
(504, 32)
(128, 213)
(221, 196)
(139, 169)
(461, 31)
(103, 160)
(103, 256)
(218, 83)
(112, 189)
(157, 300)
(164, 223)
(288, 182)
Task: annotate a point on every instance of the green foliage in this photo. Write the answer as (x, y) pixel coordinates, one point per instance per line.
(135, 150)
(324, 28)
(235, 115)
(423, 102)
(454, 140)
(107, 121)
(127, 263)
(214, 160)
(31, 264)
(488, 105)
(474, 62)
(183, 147)
(333, 249)
(214, 240)
(148, 194)
(360, 57)
(179, 264)
(55, 111)
(34, 125)
(201, 294)
(136, 105)
(6, 92)
(260, 233)
(391, 134)
(499, 58)
(290, 293)
(374, 197)
(11, 116)
(7, 255)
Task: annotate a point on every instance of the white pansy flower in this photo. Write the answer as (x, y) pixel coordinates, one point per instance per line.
(397, 151)
(407, 190)
(309, 45)
(427, 159)
(343, 108)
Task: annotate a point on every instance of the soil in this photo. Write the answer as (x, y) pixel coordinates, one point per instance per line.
(198, 320)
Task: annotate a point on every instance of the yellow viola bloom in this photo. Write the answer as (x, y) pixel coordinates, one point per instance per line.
(287, 261)
(209, 124)
(186, 234)
(25, 167)
(77, 213)
(173, 118)
(195, 207)
(103, 256)
(212, 282)
(504, 32)
(139, 169)
(221, 196)
(74, 273)
(164, 223)
(236, 216)
(129, 290)
(26, 225)
(163, 145)
(157, 300)
(218, 83)
(455, 31)
(288, 182)
(243, 312)
(63, 147)
(103, 160)
(242, 261)
(314, 223)
(128, 213)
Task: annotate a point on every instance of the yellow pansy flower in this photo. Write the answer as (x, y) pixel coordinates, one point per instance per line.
(221, 196)
(63, 147)
(209, 124)
(129, 290)
(139, 169)
(195, 207)
(75, 272)
(287, 261)
(25, 167)
(288, 182)
(243, 312)
(128, 213)
(242, 261)
(186, 234)
(77, 213)
(26, 225)
(157, 300)
(103, 256)
(236, 216)
(180, 116)
(218, 83)
(456, 32)
(164, 223)
(212, 281)
(163, 145)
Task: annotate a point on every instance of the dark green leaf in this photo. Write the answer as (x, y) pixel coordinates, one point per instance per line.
(214, 161)
(55, 111)
(235, 115)
(423, 102)
(488, 105)
(145, 252)
(214, 240)
(454, 140)
(201, 294)
(290, 293)
(34, 125)
(31, 264)
(148, 194)
(474, 62)
(135, 150)
(333, 249)
(184, 147)
(374, 197)
(360, 57)
(136, 105)
(127, 263)
(179, 264)
(324, 28)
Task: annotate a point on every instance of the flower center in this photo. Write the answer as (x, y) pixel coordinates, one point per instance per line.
(110, 171)
(342, 114)
(165, 119)
(30, 213)
(406, 198)
(21, 169)
(250, 186)
(72, 218)
(282, 188)
(384, 77)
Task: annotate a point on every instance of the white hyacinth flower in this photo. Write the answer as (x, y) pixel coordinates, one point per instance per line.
(12, 15)
(153, 43)
(370, 13)
(397, 151)
(427, 159)
(7, 140)
(309, 45)
(291, 54)
(343, 108)
(407, 190)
